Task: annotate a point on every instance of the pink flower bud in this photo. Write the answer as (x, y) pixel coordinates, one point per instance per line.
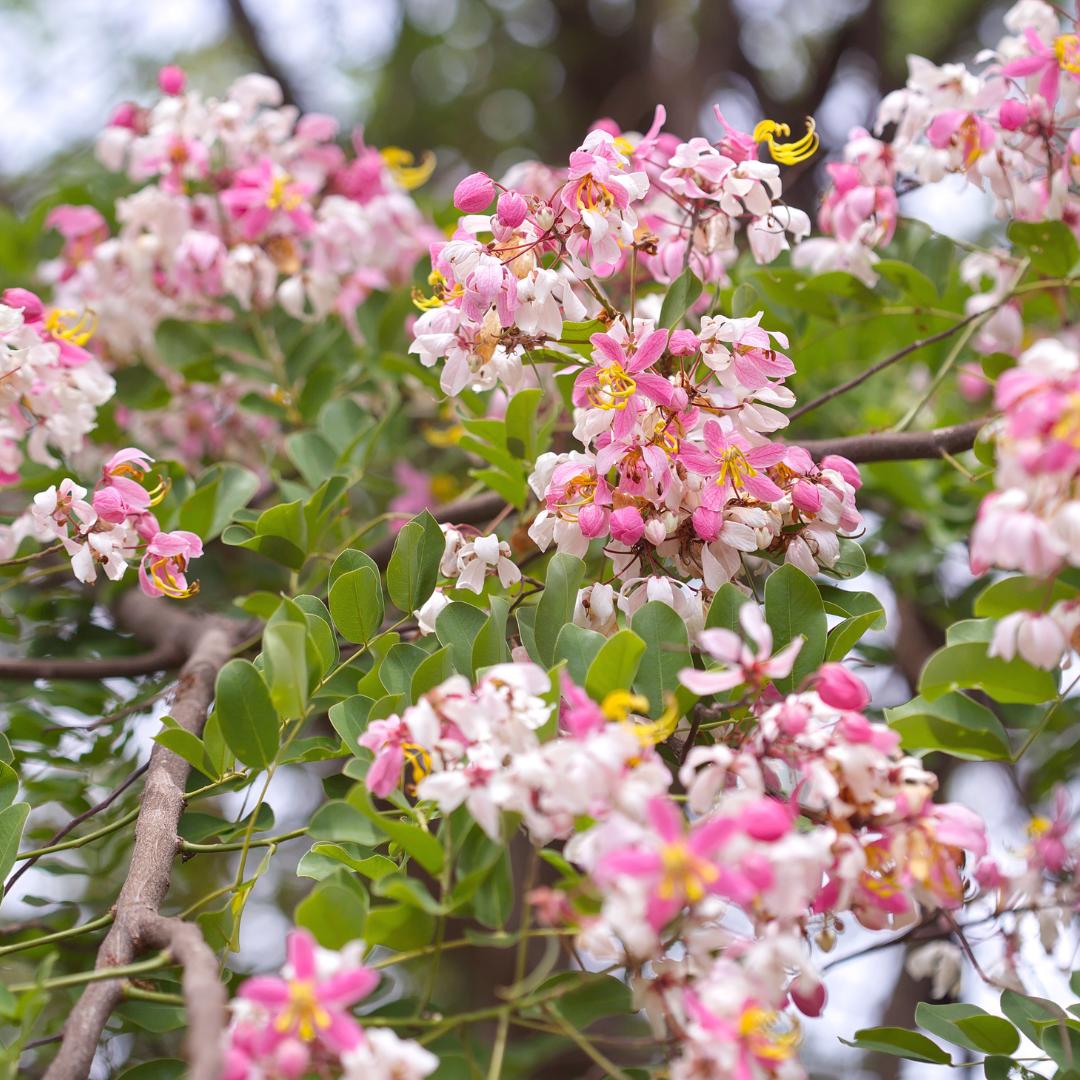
(292, 1059)
(109, 505)
(627, 525)
(125, 115)
(766, 820)
(809, 995)
(655, 532)
(25, 299)
(474, 194)
(841, 689)
(971, 382)
(847, 469)
(511, 209)
(683, 343)
(707, 523)
(792, 718)
(545, 218)
(171, 80)
(1013, 114)
(806, 497)
(592, 521)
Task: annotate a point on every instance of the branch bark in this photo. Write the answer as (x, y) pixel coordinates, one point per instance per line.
(253, 41)
(138, 926)
(898, 445)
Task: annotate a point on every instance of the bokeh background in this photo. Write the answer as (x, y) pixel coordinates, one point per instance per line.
(485, 84)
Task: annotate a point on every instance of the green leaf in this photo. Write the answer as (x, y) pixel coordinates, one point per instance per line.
(458, 625)
(493, 901)
(340, 821)
(997, 1068)
(845, 635)
(246, 714)
(285, 520)
(356, 604)
(1020, 592)
(915, 283)
(724, 610)
(409, 891)
(416, 842)
(158, 1069)
(436, 669)
(219, 493)
(186, 745)
(556, 607)
(1027, 1012)
(349, 719)
(312, 455)
(399, 927)
(990, 1034)
(490, 645)
(970, 630)
(793, 606)
(9, 785)
(968, 1026)
(616, 665)
(745, 301)
(285, 656)
(521, 423)
(848, 603)
(154, 1016)
(899, 1042)
(411, 573)
(372, 866)
(513, 489)
(276, 548)
(954, 724)
(525, 616)
(1061, 1040)
(1050, 245)
(351, 559)
(850, 564)
(594, 997)
(321, 628)
(681, 297)
(398, 666)
(667, 652)
(335, 911)
(12, 820)
(578, 646)
(966, 666)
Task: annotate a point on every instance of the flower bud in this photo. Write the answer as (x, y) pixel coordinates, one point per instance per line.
(545, 218)
(683, 343)
(806, 497)
(627, 525)
(474, 194)
(171, 80)
(971, 382)
(655, 532)
(110, 506)
(767, 819)
(592, 521)
(511, 209)
(125, 115)
(841, 689)
(826, 939)
(847, 469)
(1013, 114)
(292, 1059)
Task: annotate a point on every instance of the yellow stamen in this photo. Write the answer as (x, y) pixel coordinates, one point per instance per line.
(162, 576)
(771, 1035)
(623, 146)
(408, 175)
(420, 762)
(1039, 826)
(594, 196)
(304, 1012)
(77, 334)
(1067, 50)
(619, 703)
(1068, 427)
(734, 466)
(652, 732)
(787, 153)
(616, 388)
(283, 195)
(684, 873)
(158, 493)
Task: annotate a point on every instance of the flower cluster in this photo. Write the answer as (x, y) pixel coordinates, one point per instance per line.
(297, 1024)
(50, 386)
(245, 201)
(112, 529)
(1032, 521)
(807, 812)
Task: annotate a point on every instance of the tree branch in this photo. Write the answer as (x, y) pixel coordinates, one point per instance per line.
(898, 446)
(137, 925)
(249, 34)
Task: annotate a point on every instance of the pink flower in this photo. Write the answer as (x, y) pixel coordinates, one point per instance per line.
(579, 715)
(1037, 638)
(393, 742)
(1048, 835)
(1048, 62)
(474, 194)
(306, 1008)
(838, 687)
(683, 343)
(619, 380)
(733, 465)
(847, 469)
(52, 328)
(627, 525)
(161, 572)
(956, 127)
(264, 194)
(680, 867)
(1013, 114)
(512, 209)
(743, 666)
(171, 80)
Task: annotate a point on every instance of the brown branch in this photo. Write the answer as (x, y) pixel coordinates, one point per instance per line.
(252, 38)
(843, 388)
(107, 801)
(165, 656)
(137, 926)
(898, 446)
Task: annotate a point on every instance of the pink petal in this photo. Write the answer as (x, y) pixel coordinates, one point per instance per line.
(666, 819)
(300, 948)
(348, 986)
(265, 989)
(710, 682)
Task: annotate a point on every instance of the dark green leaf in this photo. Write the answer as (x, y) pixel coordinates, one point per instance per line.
(793, 607)
(966, 666)
(667, 652)
(899, 1042)
(356, 604)
(246, 714)
(681, 297)
(616, 665)
(556, 607)
(953, 724)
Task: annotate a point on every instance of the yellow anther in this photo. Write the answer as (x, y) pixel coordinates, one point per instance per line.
(787, 153)
(443, 437)
(282, 195)
(303, 1011)
(653, 732)
(1067, 50)
(420, 762)
(684, 873)
(77, 334)
(619, 704)
(1068, 426)
(616, 388)
(158, 493)
(623, 146)
(162, 576)
(1039, 826)
(408, 175)
(734, 466)
(771, 1035)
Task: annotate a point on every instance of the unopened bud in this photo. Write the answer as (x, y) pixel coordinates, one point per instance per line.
(655, 532)
(171, 80)
(545, 218)
(511, 209)
(826, 939)
(474, 194)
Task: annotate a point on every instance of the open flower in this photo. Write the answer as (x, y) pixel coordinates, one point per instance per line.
(162, 572)
(741, 665)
